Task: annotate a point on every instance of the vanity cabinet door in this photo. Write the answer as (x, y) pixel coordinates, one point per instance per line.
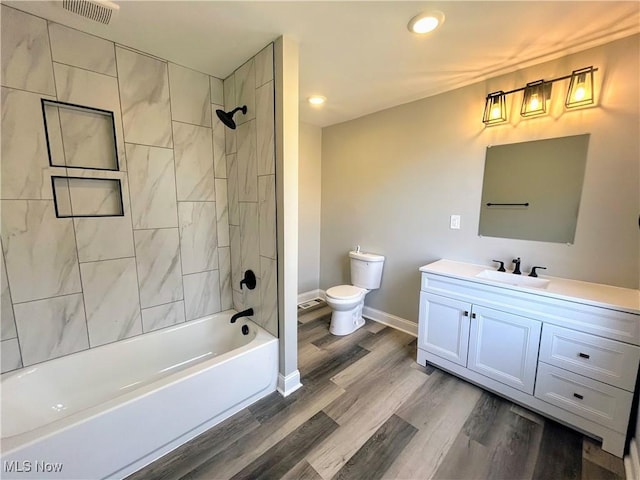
(444, 327)
(504, 347)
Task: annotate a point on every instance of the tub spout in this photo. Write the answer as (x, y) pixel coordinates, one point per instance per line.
(245, 313)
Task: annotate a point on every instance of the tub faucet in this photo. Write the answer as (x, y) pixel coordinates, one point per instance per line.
(245, 313)
(516, 270)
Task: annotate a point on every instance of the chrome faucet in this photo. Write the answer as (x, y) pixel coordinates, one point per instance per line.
(245, 313)
(516, 270)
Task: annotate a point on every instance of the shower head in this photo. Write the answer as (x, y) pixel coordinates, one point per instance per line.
(227, 117)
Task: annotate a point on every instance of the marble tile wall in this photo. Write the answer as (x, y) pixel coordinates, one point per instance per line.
(25, 164)
(251, 193)
(72, 284)
(10, 358)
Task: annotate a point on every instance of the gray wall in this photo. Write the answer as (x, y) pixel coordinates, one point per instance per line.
(73, 284)
(390, 181)
(309, 201)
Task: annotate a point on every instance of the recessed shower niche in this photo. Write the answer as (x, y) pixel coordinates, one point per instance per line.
(83, 138)
(79, 136)
(87, 197)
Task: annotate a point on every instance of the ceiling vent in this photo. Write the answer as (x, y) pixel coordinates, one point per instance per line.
(96, 10)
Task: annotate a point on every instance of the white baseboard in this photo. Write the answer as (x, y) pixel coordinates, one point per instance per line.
(289, 384)
(310, 295)
(391, 320)
(632, 461)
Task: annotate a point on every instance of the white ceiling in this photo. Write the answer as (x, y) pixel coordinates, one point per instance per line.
(359, 54)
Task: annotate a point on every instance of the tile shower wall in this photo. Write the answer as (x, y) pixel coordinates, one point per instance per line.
(251, 181)
(72, 284)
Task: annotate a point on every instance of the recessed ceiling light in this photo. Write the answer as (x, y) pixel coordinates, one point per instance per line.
(426, 22)
(316, 99)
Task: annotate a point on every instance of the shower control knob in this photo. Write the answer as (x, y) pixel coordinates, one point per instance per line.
(249, 280)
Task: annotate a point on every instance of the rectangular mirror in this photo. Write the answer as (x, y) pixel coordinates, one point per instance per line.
(531, 190)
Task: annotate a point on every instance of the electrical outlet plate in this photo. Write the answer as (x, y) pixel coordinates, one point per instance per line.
(455, 222)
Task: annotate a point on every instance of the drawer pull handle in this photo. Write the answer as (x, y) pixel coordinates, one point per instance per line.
(578, 396)
(473, 315)
(466, 314)
(583, 355)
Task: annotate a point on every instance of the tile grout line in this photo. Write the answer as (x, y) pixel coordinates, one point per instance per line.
(228, 203)
(157, 228)
(142, 144)
(126, 173)
(275, 188)
(219, 124)
(187, 123)
(84, 303)
(72, 220)
(84, 69)
(107, 259)
(13, 310)
(175, 184)
(24, 90)
(257, 164)
(232, 247)
(49, 298)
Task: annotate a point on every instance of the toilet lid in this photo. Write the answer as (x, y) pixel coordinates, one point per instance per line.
(344, 292)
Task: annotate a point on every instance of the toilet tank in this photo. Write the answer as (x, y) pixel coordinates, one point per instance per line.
(366, 269)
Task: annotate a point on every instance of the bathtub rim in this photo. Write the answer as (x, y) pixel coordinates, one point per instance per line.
(124, 341)
(11, 444)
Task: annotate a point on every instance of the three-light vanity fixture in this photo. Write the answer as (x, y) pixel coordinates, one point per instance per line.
(537, 94)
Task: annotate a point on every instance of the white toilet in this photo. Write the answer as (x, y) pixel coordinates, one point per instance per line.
(347, 301)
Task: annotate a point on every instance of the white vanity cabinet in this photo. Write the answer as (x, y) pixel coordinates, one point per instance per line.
(570, 351)
(491, 342)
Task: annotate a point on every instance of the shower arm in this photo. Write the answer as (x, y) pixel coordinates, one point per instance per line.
(243, 109)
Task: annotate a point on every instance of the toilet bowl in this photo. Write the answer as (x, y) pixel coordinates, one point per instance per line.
(347, 302)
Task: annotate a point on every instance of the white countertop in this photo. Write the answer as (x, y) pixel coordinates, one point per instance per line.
(608, 296)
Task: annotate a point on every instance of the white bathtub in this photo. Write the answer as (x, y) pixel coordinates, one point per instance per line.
(108, 411)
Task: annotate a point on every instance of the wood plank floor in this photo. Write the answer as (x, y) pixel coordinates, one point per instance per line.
(367, 410)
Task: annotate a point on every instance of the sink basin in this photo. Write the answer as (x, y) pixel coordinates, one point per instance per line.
(515, 280)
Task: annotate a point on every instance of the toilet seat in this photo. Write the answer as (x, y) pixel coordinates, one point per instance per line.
(345, 292)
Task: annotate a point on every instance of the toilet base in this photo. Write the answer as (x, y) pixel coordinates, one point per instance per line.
(346, 321)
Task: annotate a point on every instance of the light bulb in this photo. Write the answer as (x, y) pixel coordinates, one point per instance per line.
(534, 104)
(426, 22)
(495, 112)
(316, 99)
(580, 92)
(425, 25)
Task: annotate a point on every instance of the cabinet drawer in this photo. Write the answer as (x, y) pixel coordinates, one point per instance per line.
(608, 361)
(595, 401)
